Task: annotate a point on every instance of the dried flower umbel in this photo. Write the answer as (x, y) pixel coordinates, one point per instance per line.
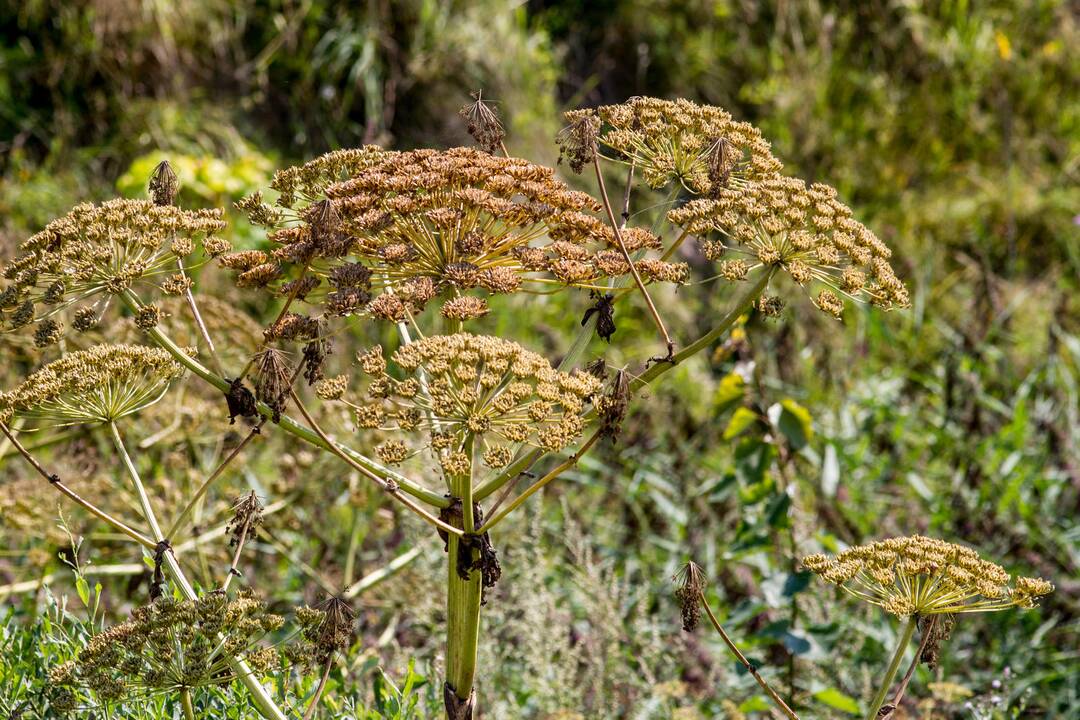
(423, 224)
(102, 384)
(919, 577)
(800, 229)
(99, 250)
(699, 146)
(478, 388)
(172, 646)
(926, 576)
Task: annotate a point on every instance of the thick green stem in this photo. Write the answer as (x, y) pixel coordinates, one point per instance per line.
(898, 657)
(463, 597)
(185, 702)
(261, 699)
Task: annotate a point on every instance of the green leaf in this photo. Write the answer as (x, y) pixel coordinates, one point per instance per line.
(731, 390)
(837, 700)
(795, 422)
(83, 588)
(741, 421)
(758, 703)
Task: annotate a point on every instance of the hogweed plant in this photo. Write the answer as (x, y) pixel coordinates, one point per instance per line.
(446, 423)
(928, 582)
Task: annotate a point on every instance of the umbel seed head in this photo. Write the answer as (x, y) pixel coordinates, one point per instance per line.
(781, 223)
(699, 146)
(170, 645)
(486, 389)
(411, 227)
(926, 576)
(102, 384)
(100, 250)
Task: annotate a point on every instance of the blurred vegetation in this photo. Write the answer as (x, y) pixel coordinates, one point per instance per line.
(952, 127)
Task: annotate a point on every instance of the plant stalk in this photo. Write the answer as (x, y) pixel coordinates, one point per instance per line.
(385, 484)
(744, 662)
(55, 481)
(898, 656)
(898, 696)
(463, 598)
(185, 702)
(310, 712)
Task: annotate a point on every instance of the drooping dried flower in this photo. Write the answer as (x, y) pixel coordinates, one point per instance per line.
(171, 645)
(612, 406)
(247, 515)
(803, 230)
(699, 146)
(578, 140)
(479, 388)
(97, 249)
(483, 123)
(926, 576)
(163, 184)
(690, 584)
(101, 384)
(273, 379)
(324, 630)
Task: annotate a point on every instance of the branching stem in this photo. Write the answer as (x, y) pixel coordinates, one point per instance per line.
(391, 490)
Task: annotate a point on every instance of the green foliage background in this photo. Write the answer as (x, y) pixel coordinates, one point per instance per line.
(952, 127)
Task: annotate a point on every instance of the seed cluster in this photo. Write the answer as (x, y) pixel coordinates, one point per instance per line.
(101, 384)
(413, 226)
(700, 146)
(169, 645)
(801, 229)
(479, 391)
(97, 249)
(927, 576)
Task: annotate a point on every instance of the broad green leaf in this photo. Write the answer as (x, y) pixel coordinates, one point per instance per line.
(730, 390)
(83, 588)
(837, 700)
(741, 421)
(794, 421)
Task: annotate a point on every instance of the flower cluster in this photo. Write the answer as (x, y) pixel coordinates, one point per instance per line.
(926, 576)
(801, 229)
(302, 185)
(101, 384)
(171, 645)
(417, 225)
(101, 249)
(700, 146)
(472, 391)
